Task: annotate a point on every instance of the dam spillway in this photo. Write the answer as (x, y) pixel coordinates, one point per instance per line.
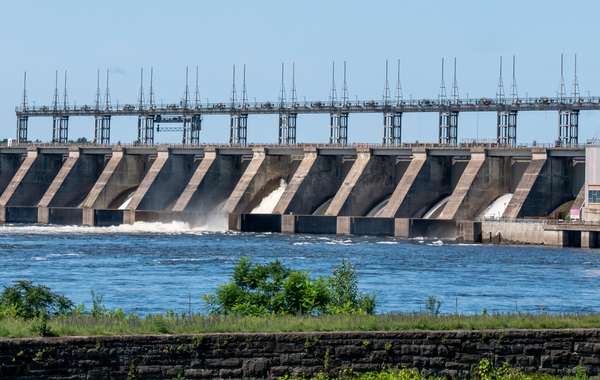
(107, 185)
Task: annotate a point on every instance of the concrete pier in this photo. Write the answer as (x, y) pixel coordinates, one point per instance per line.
(487, 176)
(429, 178)
(120, 178)
(550, 181)
(18, 202)
(195, 181)
(316, 182)
(71, 185)
(263, 175)
(371, 179)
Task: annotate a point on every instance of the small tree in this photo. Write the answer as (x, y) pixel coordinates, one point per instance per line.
(28, 301)
(345, 296)
(259, 289)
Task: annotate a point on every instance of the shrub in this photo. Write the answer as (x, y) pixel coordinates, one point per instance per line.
(28, 301)
(260, 289)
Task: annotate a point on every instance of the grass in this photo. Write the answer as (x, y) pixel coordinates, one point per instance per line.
(86, 325)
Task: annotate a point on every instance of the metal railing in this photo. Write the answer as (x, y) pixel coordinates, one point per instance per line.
(410, 105)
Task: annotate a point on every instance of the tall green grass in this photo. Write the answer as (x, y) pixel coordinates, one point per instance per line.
(131, 324)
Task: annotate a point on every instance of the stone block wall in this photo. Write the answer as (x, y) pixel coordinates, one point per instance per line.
(269, 356)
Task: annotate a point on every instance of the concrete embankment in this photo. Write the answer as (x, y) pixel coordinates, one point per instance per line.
(272, 355)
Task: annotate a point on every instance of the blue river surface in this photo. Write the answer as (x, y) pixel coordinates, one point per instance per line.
(150, 268)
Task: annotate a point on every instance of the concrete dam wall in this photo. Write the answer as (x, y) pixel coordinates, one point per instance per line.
(367, 190)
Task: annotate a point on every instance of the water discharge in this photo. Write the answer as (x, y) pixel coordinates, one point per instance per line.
(497, 207)
(268, 203)
(436, 210)
(172, 228)
(127, 201)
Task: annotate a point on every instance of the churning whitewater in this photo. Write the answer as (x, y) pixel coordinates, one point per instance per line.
(268, 203)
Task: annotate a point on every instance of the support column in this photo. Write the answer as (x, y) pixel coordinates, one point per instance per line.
(339, 128)
(568, 127)
(196, 127)
(97, 129)
(60, 129)
(149, 130)
(287, 128)
(102, 129)
(448, 127)
(525, 185)
(57, 182)
(363, 156)
(146, 130)
(22, 123)
(64, 130)
(141, 191)
(392, 128)
(195, 181)
(506, 131)
(238, 129)
(55, 128)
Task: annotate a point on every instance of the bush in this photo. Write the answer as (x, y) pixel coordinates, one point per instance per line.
(260, 289)
(28, 301)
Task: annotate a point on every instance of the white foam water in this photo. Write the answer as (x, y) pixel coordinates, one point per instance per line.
(497, 207)
(171, 228)
(268, 203)
(127, 201)
(215, 220)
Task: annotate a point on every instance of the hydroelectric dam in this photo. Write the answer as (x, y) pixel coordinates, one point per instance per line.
(496, 191)
(403, 191)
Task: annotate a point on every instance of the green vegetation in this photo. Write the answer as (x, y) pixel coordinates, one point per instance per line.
(119, 323)
(28, 301)
(257, 289)
(485, 371)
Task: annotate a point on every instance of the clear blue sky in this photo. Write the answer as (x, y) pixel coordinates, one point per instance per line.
(43, 36)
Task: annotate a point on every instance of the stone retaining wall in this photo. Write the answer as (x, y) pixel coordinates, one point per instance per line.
(260, 356)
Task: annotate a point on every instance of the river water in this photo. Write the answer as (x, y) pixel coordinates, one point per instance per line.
(149, 268)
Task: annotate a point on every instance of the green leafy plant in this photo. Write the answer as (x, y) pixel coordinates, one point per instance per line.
(261, 289)
(25, 300)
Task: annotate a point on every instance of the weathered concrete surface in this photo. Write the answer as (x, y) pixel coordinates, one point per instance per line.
(162, 184)
(9, 164)
(64, 171)
(457, 201)
(349, 183)
(405, 185)
(122, 174)
(427, 180)
(451, 354)
(105, 176)
(210, 187)
(315, 182)
(548, 182)
(149, 179)
(195, 181)
(520, 232)
(371, 179)
(484, 180)
(293, 187)
(261, 177)
(71, 185)
(34, 176)
(513, 210)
